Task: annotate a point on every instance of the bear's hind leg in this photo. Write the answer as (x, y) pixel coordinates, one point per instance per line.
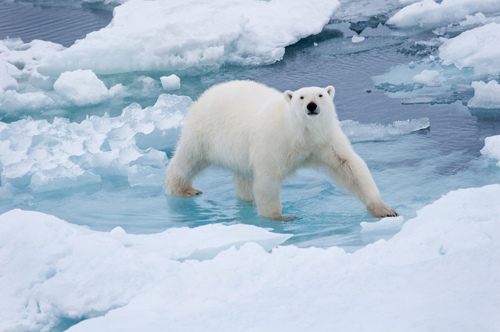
(243, 187)
(183, 167)
(266, 191)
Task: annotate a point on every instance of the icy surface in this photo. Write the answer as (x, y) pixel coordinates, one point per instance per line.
(43, 155)
(176, 35)
(429, 13)
(358, 132)
(428, 77)
(486, 95)
(81, 87)
(70, 272)
(120, 282)
(357, 39)
(492, 148)
(171, 82)
(478, 49)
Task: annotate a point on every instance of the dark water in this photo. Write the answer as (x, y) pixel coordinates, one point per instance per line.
(62, 22)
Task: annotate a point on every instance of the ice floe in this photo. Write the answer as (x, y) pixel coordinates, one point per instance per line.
(492, 148)
(472, 55)
(429, 13)
(358, 132)
(177, 35)
(58, 274)
(486, 95)
(43, 155)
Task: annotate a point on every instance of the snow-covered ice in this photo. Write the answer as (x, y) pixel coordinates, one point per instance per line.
(170, 82)
(486, 95)
(430, 13)
(45, 155)
(71, 272)
(477, 48)
(177, 35)
(439, 272)
(492, 148)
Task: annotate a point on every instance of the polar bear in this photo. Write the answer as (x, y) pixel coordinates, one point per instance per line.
(262, 135)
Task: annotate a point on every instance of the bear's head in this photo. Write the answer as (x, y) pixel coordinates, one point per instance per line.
(312, 103)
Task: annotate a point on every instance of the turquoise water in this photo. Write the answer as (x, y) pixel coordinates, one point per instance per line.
(411, 170)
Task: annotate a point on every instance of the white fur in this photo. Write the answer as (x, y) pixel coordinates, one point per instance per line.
(262, 135)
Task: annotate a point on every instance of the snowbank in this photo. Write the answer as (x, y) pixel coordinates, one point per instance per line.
(492, 148)
(69, 272)
(46, 155)
(439, 272)
(486, 95)
(177, 35)
(81, 87)
(476, 48)
(430, 14)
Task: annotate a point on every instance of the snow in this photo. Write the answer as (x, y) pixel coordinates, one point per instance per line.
(357, 39)
(476, 48)
(486, 95)
(430, 14)
(492, 148)
(439, 272)
(428, 78)
(81, 87)
(44, 155)
(68, 271)
(179, 35)
(171, 82)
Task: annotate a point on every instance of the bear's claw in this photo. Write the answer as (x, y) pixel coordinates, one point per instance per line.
(382, 211)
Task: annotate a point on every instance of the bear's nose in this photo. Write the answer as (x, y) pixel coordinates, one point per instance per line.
(311, 107)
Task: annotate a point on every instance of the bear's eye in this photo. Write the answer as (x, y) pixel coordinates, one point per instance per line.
(320, 95)
(301, 97)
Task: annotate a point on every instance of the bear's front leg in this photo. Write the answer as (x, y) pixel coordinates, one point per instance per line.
(266, 192)
(351, 171)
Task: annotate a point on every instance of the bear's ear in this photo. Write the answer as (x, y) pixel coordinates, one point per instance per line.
(288, 95)
(331, 90)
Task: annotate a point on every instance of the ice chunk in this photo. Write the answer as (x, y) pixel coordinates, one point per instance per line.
(357, 39)
(477, 48)
(81, 87)
(55, 272)
(358, 132)
(59, 154)
(428, 78)
(492, 148)
(430, 14)
(171, 82)
(6, 79)
(11, 100)
(176, 35)
(486, 95)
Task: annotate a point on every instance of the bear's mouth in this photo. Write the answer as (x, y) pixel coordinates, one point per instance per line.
(313, 113)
